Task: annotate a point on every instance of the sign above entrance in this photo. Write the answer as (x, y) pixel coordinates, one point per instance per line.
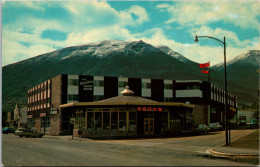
(149, 109)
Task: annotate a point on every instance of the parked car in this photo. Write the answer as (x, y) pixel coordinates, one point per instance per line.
(19, 131)
(215, 126)
(254, 123)
(202, 128)
(7, 130)
(30, 133)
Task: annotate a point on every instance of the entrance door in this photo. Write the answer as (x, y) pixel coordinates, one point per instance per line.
(148, 126)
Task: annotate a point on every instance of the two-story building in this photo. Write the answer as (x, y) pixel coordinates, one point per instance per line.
(95, 103)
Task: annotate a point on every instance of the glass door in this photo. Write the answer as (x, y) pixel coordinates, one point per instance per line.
(148, 126)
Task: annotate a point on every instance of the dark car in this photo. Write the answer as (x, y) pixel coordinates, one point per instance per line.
(30, 133)
(7, 130)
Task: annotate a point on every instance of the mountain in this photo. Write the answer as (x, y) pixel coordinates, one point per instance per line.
(104, 58)
(243, 75)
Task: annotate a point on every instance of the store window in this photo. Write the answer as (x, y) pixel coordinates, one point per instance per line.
(98, 120)
(164, 121)
(167, 86)
(106, 120)
(73, 82)
(146, 85)
(98, 97)
(132, 121)
(98, 83)
(168, 99)
(90, 120)
(73, 97)
(114, 120)
(122, 121)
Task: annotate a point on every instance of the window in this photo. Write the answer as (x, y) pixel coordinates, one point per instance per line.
(132, 121)
(122, 121)
(193, 87)
(167, 86)
(164, 121)
(73, 82)
(98, 97)
(98, 120)
(98, 83)
(73, 97)
(242, 118)
(90, 120)
(168, 99)
(122, 84)
(106, 120)
(146, 85)
(114, 120)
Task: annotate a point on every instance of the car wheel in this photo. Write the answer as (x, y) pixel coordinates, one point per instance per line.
(27, 136)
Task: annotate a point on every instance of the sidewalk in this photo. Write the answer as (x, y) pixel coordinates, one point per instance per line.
(245, 146)
(66, 137)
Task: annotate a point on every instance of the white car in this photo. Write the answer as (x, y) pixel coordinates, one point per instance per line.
(19, 131)
(215, 126)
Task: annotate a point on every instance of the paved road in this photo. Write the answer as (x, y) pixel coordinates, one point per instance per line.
(188, 151)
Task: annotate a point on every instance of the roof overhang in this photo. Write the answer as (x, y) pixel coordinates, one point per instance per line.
(161, 104)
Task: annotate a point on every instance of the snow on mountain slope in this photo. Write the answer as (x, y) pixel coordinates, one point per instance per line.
(169, 51)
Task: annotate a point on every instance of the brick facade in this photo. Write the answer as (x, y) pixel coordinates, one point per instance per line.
(55, 125)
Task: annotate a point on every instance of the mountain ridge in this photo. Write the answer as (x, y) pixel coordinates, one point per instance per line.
(105, 58)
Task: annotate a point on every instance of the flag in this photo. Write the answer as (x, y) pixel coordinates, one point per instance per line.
(204, 65)
(205, 71)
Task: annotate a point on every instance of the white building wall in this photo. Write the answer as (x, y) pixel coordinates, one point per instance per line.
(98, 90)
(73, 89)
(146, 92)
(168, 92)
(189, 93)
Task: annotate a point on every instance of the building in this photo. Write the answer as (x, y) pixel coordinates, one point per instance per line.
(55, 103)
(244, 116)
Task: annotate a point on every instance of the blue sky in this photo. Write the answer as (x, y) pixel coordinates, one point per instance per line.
(31, 28)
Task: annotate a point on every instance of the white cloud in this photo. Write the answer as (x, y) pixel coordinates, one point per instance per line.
(243, 14)
(196, 52)
(231, 38)
(88, 21)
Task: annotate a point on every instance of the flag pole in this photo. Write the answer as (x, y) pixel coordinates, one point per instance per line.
(209, 74)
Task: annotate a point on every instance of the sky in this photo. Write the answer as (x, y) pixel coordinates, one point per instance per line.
(31, 28)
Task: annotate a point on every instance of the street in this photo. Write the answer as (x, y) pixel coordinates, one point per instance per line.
(175, 151)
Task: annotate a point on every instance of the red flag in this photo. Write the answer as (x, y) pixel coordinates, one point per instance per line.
(204, 65)
(205, 71)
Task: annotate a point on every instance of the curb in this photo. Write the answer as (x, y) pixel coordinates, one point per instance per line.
(221, 154)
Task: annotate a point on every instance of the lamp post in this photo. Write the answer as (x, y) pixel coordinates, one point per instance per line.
(196, 39)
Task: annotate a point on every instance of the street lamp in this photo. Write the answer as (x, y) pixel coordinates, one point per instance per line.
(196, 39)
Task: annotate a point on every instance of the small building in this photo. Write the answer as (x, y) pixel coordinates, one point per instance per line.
(126, 115)
(244, 116)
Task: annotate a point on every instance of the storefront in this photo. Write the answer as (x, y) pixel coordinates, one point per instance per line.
(125, 116)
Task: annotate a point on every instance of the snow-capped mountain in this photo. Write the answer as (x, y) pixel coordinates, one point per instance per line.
(104, 58)
(243, 73)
